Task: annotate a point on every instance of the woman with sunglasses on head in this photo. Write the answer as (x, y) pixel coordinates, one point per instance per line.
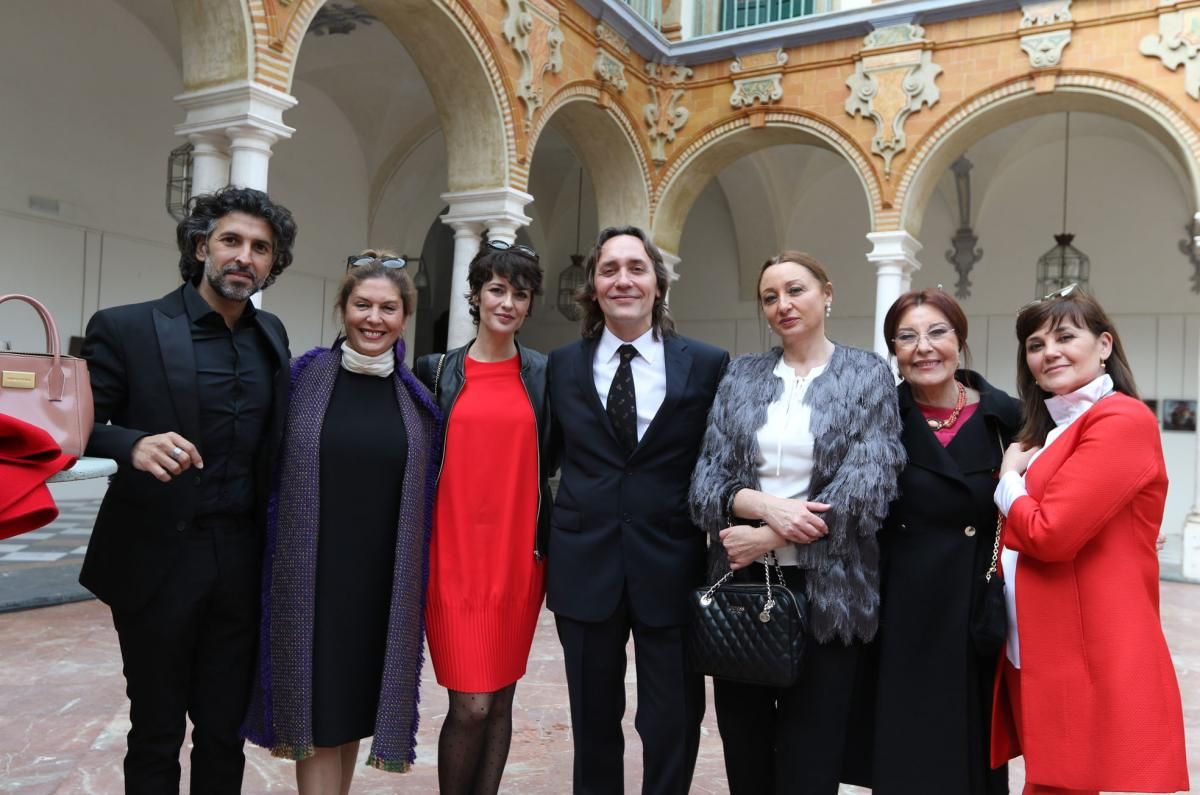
(798, 465)
(340, 650)
(933, 704)
(486, 575)
(1086, 691)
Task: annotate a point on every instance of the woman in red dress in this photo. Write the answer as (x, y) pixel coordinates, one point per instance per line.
(486, 575)
(1087, 690)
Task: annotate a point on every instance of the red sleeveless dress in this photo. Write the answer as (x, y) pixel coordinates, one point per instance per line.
(485, 588)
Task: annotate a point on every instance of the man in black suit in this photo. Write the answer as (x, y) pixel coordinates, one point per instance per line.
(630, 402)
(195, 385)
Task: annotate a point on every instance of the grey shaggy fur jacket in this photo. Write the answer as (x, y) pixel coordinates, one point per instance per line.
(857, 458)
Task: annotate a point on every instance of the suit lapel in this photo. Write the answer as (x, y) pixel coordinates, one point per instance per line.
(586, 379)
(678, 362)
(179, 365)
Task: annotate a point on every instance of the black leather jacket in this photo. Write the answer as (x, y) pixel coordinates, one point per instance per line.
(446, 387)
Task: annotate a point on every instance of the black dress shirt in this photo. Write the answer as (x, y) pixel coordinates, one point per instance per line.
(234, 382)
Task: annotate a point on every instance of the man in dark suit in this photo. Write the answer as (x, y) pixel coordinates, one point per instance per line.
(195, 386)
(630, 402)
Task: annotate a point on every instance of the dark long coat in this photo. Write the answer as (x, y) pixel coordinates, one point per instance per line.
(933, 702)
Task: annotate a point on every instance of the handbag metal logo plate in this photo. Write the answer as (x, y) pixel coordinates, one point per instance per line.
(17, 379)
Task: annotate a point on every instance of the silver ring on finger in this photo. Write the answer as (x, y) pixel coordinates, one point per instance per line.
(176, 452)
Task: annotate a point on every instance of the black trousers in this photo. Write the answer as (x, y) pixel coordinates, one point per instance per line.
(190, 652)
(788, 740)
(669, 709)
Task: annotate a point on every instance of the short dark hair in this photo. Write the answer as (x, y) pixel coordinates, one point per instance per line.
(399, 277)
(1082, 309)
(522, 271)
(209, 208)
(939, 300)
(593, 317)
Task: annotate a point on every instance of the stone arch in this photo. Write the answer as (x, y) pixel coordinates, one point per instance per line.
(722, 144)
(217, 42)
(1010, 102)
(604, 139)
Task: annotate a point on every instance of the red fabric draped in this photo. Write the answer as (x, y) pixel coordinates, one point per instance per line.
(28, 456)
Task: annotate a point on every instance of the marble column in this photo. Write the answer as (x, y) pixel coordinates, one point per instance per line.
(210, 162)
(1191, 525)
(895, 259)
(672, 262)
(250, 156)
(497, 210)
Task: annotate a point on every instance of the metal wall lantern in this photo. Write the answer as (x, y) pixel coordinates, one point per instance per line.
(179, 181)
(1189, 248)
(963, 255)
(1064, 264)
(572, 276)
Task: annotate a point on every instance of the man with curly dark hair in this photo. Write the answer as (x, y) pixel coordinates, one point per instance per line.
(190, 393)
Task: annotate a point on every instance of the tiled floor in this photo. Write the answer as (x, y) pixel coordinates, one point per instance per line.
(63, 714)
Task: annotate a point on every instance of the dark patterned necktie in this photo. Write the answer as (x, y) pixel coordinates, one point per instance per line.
(622, 401)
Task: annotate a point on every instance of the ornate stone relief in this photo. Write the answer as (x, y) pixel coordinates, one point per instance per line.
(531, 28)
(610, 71)
(664, 114)
(337, 18)
(610, 37)
(1045, 12)
(757, 87)
(1045, 49)
(888, 87)
(1177, 44)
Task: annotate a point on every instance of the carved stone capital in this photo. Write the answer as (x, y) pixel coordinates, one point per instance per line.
(1039, 13)
(610, 71)
(1177, 44)
(770, 59)
(762, 88)
(531, 28)
(894, 36)
(610, 37)
(1045, 49)
(888, 88)
(664, 114)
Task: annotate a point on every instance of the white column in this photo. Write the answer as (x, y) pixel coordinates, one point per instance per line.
(895, 258)
(210, 162)
(1191, 525)
(250, 156)
(500, 212)
(466, 245)
(671, 261)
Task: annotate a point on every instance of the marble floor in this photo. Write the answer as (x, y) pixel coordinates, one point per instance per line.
(63, 715)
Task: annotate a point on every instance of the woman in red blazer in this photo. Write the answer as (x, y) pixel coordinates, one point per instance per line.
(1087, 690)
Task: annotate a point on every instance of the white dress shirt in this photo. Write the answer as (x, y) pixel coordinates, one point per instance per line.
(785, 445)
(1064, 410)
(649, 369)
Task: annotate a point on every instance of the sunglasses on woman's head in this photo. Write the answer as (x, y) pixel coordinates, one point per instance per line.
(1061, 293)
(501, 245)
(357, 260)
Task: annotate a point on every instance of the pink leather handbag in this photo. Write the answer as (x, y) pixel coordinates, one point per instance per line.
(48, 390)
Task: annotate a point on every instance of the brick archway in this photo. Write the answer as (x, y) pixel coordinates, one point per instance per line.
(688, 173)
(1000, 106)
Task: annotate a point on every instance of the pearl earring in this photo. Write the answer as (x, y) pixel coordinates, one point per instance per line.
(828, 309)
(1103, 364)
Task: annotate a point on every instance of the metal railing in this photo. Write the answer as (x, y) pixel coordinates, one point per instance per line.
(748, 13)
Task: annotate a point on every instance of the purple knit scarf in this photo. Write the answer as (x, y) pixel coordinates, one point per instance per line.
(280, 714)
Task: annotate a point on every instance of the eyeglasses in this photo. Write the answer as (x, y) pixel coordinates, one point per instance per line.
(1063, 293)
(357, 260)
(502, 245)
(910, 339)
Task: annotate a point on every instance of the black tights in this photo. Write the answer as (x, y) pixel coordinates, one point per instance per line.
(473, 746)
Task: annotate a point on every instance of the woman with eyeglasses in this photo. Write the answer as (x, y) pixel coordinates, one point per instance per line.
(486, 569)
(1087, 691)
(797, 467)
(340, 649)
(932, 708)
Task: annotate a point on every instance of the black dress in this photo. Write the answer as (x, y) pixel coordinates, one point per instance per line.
(932, 710)
(363, 450)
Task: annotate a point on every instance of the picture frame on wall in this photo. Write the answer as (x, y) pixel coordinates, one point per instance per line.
(1152, 404)
(1179, 415)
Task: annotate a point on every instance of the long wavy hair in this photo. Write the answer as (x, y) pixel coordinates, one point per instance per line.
(209, 208)
(592, 324)
(1084, 311)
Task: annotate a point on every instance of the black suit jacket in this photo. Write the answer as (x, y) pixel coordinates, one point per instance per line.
(620, 523)
(143, 373)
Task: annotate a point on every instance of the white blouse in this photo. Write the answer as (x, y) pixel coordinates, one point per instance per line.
(1064, 410)
(785, 445)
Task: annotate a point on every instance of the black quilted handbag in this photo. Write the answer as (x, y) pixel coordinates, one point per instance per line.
(752, 633)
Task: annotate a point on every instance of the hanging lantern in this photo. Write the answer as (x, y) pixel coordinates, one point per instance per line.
(569, 282)
(1064, 264)
(179, 181)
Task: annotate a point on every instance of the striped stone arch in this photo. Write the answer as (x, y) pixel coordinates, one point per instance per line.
(1007, 103)
(447, 42)
(691, 169)
(604, 137)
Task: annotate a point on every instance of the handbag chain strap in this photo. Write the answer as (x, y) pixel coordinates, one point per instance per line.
(987, 577)
(771, 564)
(437, 377)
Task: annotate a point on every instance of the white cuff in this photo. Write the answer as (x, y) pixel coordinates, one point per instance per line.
(1010, 487)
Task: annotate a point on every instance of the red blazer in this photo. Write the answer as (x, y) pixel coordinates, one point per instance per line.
(1099, 697)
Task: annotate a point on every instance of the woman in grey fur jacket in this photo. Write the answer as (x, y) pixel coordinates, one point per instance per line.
(800, 461)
